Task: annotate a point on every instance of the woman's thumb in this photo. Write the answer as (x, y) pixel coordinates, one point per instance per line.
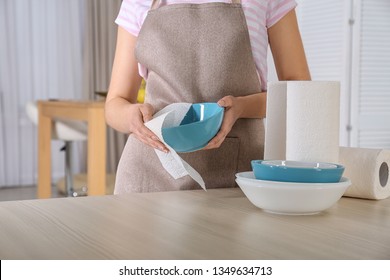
(147, 112)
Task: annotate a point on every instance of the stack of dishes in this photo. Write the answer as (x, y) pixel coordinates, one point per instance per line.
(293, 187)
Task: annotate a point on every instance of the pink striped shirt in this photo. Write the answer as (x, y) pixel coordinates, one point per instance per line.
(260, 15)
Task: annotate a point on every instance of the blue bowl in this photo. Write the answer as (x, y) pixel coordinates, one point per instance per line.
(297, 171)
(201, 123)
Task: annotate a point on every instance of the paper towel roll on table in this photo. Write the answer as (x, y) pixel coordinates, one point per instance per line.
(368, 169)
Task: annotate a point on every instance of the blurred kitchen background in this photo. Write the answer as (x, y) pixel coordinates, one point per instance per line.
(63, 49)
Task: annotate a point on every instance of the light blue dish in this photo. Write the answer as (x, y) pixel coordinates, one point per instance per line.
(297, 171)
(199, 126)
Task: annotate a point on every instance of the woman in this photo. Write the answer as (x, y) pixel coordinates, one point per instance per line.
(198, 51)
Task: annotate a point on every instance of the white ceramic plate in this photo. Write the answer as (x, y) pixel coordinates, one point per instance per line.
(291, 198)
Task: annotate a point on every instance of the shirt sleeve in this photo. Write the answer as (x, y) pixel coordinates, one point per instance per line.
(129, 17)
(277, 9)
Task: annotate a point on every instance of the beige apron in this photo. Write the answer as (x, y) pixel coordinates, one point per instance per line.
(195, 53)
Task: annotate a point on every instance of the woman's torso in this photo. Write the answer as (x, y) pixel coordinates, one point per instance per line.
(188, 64)
(259, 14)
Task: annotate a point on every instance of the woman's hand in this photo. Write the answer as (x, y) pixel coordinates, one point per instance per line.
(249, 106)
(139, 114)
(233, 112)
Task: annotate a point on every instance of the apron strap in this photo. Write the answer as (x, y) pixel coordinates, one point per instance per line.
(156, 3)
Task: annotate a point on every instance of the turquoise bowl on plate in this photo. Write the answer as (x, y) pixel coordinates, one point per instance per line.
(200, 124)
(297, 171)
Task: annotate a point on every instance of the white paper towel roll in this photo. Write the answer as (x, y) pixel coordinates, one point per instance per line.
(368, 170)
(275, 131)
(172, 115)
(313, 120)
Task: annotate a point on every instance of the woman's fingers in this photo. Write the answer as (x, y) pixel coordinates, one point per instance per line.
(226, 101)
(217, 141)
(141, 132)
(229, 119)
(151, 140)
(147, 112)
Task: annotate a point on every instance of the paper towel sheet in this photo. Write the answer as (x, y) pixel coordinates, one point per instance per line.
(303, 121)
(172, 115)
(368, 170)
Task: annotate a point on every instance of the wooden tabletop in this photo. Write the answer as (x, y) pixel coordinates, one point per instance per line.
(217, 224)
(70, 109)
